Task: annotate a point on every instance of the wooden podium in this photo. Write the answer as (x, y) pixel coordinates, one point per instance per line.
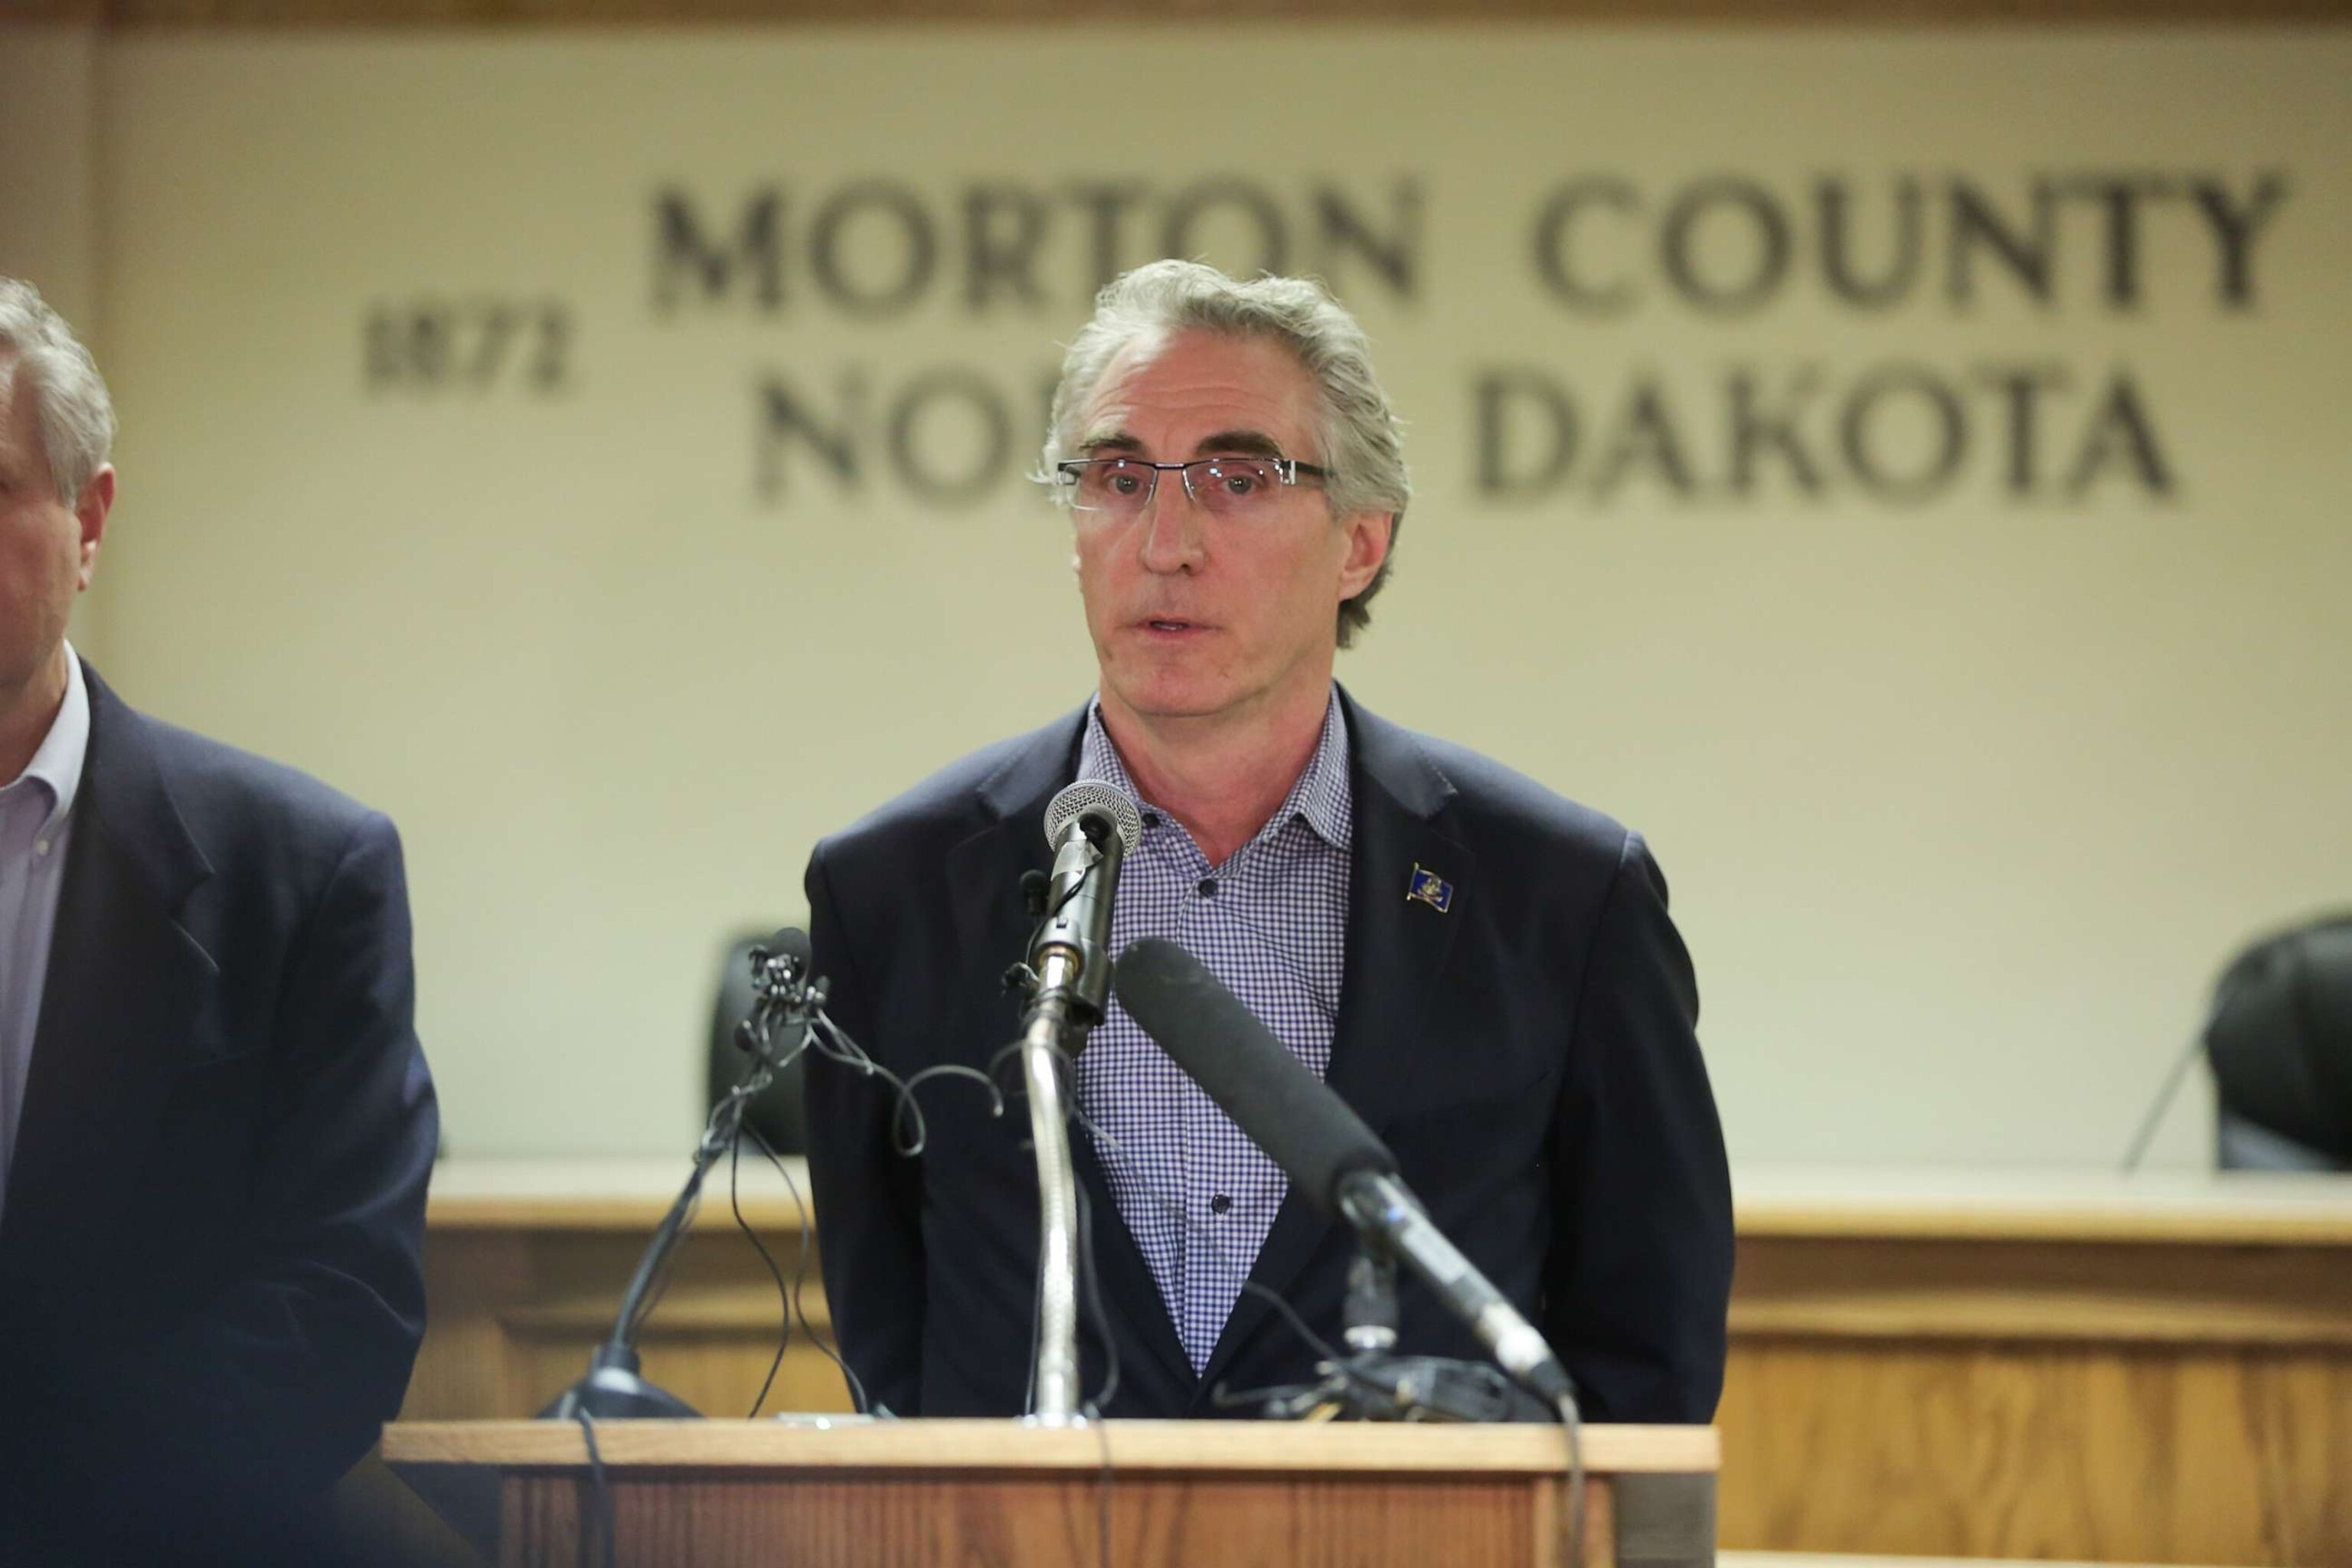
(1116, 1494)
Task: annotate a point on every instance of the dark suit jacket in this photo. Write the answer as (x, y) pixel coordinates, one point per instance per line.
(210, 1287)
(1529, 1056)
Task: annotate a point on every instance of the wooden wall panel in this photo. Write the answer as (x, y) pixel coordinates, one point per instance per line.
(2145, 1455)
(516, 1312)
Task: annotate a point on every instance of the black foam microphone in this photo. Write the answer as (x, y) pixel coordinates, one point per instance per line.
(1209, 1032)
(1320, 1142)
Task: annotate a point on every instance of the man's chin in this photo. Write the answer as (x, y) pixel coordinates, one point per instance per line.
(1166, 698)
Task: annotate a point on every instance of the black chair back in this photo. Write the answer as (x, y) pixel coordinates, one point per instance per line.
(2281, 1047)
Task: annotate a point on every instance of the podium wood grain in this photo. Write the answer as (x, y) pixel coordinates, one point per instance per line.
(1124, 1494)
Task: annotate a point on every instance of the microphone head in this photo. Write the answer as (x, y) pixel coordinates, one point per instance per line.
(790, 942)
(1284, 1108)
(780, 966)
(1089, 798)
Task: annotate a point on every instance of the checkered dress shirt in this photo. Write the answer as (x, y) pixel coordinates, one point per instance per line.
(1271, 924)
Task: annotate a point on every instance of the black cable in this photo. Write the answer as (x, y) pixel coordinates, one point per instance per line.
(910, 1135)
(910, 1132)
(1072, 1103)
(783, 1296)
(606, 1521)
(1331, 1359)
(1093, 1413)
(1314, 1340)
(1047, 917)
(1065, 1076)
(1573, 1420)
(996, 1063)
(1090, 1277)
(857, 1398)
(909, 1112)
(2155, 1117)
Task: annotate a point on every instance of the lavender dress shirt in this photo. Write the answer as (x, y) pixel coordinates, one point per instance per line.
(36, 825)
(1271, 924)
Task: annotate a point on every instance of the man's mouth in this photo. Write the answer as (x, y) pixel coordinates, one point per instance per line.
(1171, 624)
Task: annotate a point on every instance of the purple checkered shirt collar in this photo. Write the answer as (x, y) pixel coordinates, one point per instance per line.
(1321, 793)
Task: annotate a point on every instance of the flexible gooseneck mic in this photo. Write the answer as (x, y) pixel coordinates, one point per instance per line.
(1320, 1144)
(1091, 826)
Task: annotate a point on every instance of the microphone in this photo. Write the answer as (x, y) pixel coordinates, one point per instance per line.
(1320, 1144)
(613, 1390)
(790, 947)
(1091, 826)
(780, 990)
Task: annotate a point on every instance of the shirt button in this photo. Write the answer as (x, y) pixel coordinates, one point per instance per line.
(41, 847)
(1151, 819)
(1221, 1203)
(1208, 887)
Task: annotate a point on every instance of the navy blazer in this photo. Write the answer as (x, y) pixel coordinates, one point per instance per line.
(210, 1291)
(1528, 1055)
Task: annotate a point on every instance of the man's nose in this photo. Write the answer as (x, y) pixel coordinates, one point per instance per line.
(1172, 537)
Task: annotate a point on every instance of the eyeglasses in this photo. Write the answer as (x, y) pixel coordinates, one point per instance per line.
(1223, 487)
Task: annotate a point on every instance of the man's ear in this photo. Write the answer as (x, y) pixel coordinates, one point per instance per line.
(91, 509)
(1368, 533)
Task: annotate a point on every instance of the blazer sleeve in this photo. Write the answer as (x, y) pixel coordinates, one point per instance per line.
(868, 1196)
(309, 1350)
(1639, 1278)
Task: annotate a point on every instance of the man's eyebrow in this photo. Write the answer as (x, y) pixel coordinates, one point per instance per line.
(1240, 444)
(1113, 441)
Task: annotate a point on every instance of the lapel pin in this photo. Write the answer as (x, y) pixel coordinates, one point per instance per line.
(1429, 888)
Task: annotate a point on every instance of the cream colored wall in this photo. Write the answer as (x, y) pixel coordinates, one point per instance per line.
(1963, 805)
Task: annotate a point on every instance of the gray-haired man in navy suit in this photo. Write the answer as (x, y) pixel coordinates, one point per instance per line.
(1485, 971)
(216, 1122)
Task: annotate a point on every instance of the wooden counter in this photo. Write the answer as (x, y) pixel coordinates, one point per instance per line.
(1961, 1364)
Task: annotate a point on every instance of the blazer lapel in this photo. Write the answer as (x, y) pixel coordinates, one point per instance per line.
(984, 879)
(1397, 951)
(126, 987)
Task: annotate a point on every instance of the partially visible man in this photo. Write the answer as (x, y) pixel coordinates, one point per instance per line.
(1485, 971)
(216, 1121)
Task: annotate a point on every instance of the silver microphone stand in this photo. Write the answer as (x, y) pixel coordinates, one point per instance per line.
(1055, 1396)
(1069, 958)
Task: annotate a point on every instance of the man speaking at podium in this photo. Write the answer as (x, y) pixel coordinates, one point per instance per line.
(1485, 971)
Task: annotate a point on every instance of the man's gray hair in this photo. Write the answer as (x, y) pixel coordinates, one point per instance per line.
(76, 416)
(1362, 442)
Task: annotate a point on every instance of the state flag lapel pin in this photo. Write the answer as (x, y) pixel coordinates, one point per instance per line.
(1429, 888)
